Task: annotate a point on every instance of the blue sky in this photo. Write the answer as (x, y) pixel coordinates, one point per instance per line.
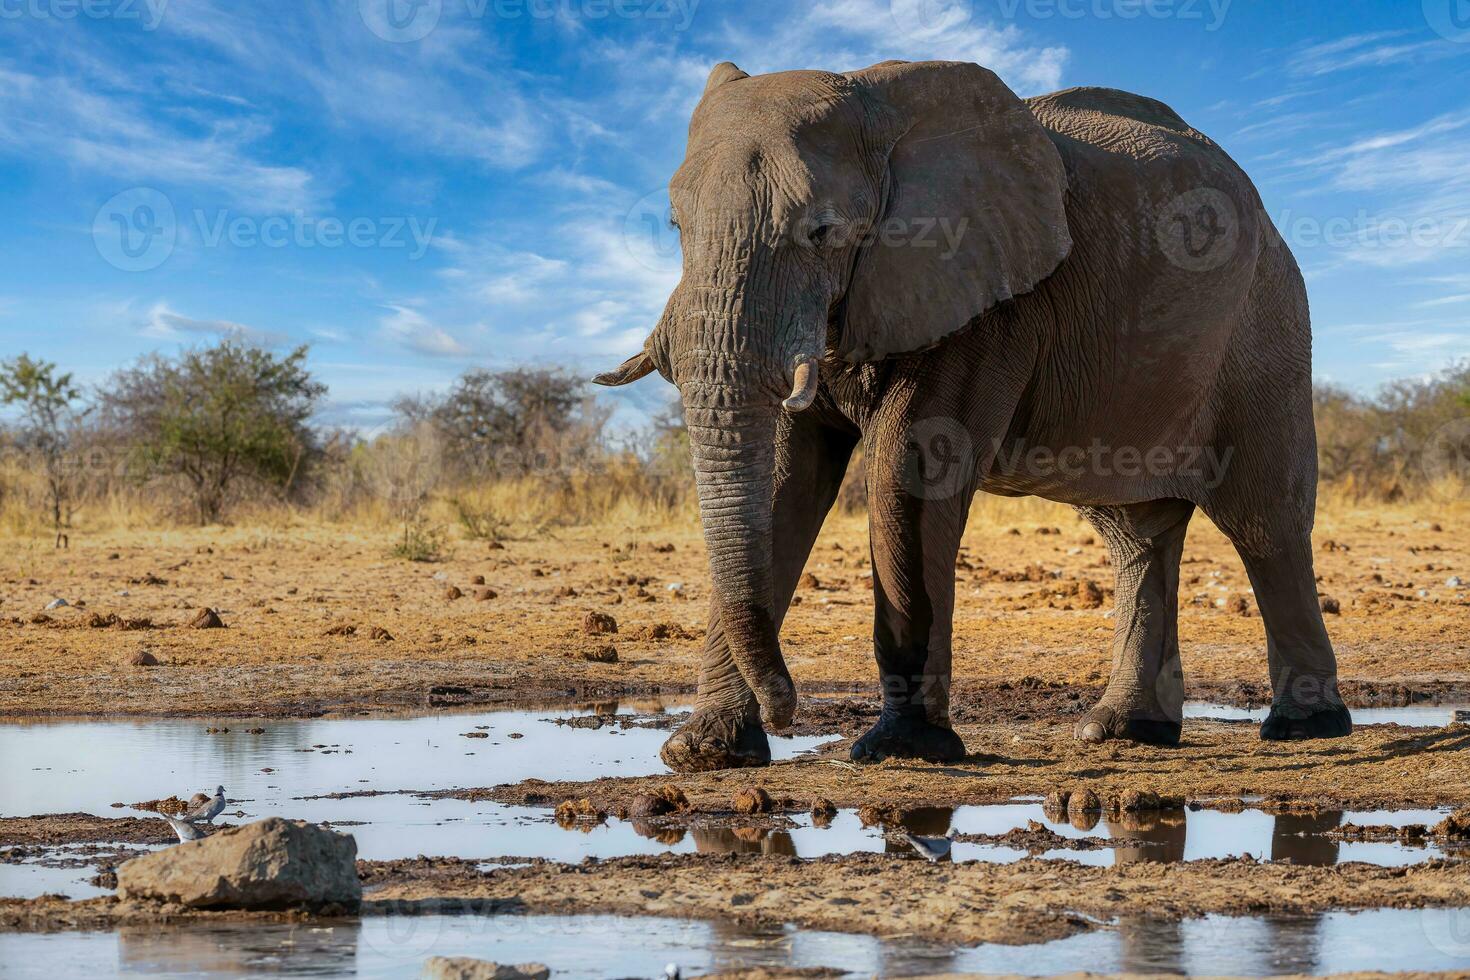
(415, 187)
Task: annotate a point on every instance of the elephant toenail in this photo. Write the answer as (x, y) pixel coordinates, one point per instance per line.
(1093, 732)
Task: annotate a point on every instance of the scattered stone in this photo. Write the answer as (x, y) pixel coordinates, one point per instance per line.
(603, 654)
(753, 799)
(1136, 800)
(664, 800)
(823, 811)
(1089, 594)
(1057, 801)
(485, 595)
(478, 580)
(1084, 802)
(598, 624)
(1238, 606)
(572, 812)
(1454, 582)
(271, 864)
(452, 593)
(468, 968)
(662, 631)
(565, 592)
(380, 634)
(142, 659)
(341, 629)
(169, 804)
(206, 619)
(474, 734)
(664, 549)
(1455, 826)
(1330, 605)
(57, 604)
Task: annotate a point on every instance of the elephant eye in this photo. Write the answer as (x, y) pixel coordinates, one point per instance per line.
(820, 234)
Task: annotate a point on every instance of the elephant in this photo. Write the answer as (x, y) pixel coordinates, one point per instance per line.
(1075, 296)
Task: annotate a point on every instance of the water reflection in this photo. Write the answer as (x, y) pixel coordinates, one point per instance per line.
(1165, 836)
(602, 946)
(1157, 837)
(291, 949)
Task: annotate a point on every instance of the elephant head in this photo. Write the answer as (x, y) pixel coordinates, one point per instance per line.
(830, 218)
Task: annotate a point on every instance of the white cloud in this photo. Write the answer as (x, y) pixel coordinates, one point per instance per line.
(160, 322)
(118, 136)
(409, 328)
(1372, 50)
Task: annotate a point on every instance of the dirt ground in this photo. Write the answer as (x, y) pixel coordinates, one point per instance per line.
(317, 619)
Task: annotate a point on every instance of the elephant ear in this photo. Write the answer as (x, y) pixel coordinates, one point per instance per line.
(974, 211)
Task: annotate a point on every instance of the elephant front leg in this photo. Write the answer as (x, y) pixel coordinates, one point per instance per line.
(915, 540)
(725, 731)
(1144, 700)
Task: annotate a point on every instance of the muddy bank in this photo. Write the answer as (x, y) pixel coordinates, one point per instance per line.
(1024, 902)
(1383, 767)
(53, 829)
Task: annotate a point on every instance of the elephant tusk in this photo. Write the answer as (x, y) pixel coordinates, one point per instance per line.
(803, 386)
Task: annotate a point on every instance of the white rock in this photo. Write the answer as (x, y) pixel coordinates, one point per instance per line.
(1454, 581)
(57, 604)
(468, 968)
(674, 586)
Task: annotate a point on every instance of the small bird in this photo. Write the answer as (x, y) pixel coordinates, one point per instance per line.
(207, 809)
(932, 848)
(185, 830)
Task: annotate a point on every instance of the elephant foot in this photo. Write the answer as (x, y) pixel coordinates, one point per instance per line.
(1289, 723)
(713, 739)
(898, 737)
(1104, 722)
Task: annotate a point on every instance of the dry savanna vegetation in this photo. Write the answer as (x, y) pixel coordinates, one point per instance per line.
(499, 541)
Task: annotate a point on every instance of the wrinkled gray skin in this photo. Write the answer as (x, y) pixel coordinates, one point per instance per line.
(911, 256)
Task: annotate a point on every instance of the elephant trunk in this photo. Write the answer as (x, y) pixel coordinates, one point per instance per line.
(733, 452)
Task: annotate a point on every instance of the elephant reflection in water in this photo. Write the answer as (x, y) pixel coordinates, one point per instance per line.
(743, 840)
(1155, 836)
(1286, 945)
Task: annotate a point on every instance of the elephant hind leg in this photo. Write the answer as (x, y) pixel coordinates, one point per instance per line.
(1305, 700)
(1144, 700)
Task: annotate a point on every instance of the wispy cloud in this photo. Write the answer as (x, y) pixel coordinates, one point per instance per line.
(161, 322)
(1370, 50)
(410, 329)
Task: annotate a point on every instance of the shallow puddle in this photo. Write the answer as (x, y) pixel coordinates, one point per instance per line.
(291, 767)
(87, 766)
(1410, 715)
(603, 946)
